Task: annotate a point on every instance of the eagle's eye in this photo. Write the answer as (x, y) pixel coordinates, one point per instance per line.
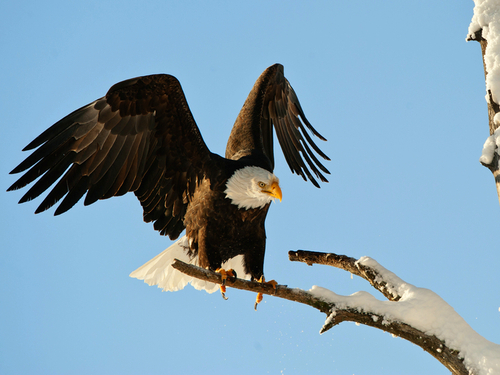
(261, 184)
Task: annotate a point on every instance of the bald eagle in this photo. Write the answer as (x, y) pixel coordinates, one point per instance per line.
(141, 137)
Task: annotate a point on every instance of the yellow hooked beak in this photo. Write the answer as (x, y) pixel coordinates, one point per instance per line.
(274, 190)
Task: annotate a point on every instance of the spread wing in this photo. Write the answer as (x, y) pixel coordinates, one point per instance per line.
(140, 137)
(273, 102)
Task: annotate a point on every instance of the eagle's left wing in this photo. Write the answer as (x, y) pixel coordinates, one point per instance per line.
(140, 137)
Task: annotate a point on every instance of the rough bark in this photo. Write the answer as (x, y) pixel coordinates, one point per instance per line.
(335, 315)
(493, 108)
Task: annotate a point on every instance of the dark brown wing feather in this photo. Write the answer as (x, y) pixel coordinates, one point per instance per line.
(273, 102)
(140, 137)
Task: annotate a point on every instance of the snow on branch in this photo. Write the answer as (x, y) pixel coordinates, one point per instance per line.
(416, 314)
(485, 28)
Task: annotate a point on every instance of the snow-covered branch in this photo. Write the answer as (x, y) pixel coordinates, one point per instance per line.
(415, 314)
(349, 264)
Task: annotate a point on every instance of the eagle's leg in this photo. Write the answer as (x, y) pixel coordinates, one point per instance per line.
(225, 274)
(259, 295)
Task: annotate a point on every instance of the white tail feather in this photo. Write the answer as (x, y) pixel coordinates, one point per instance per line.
(158, 271)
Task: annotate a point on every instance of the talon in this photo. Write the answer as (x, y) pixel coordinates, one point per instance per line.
(260, 295)
(223, 291)
(224, 275)
(273, 283)
(258, 300)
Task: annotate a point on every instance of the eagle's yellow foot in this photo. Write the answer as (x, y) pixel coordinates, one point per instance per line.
(260, 295)
(225, 274)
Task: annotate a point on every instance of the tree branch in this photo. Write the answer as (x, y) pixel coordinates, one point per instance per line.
(336, 309)
(348, 264)
(282, 291)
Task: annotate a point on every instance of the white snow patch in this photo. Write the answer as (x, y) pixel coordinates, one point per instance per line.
(487, 17)
(329, 318)
(491, 146)
(426, 311)
(496, 118)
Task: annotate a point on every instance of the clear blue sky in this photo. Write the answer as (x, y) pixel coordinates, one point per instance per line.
(393, 86)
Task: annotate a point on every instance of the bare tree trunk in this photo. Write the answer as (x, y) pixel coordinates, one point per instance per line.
(493, 108)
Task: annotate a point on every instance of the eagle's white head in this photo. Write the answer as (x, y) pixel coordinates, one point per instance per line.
(252, 187)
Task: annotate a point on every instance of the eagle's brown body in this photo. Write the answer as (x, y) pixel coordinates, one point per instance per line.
(210, 223)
